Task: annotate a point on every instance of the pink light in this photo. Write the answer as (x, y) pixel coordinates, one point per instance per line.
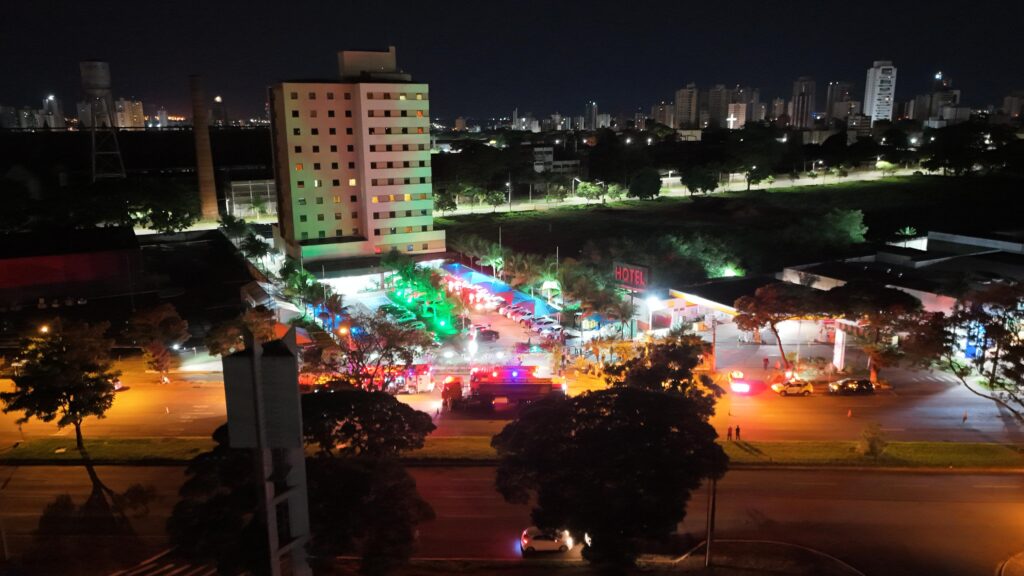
(740, 387)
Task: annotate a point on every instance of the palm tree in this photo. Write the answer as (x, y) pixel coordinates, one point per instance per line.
(255, 248)
(623, 311)
(495, 258)
(233, 226)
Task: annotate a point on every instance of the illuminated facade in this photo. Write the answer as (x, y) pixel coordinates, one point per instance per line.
(880, 91)
(352, 163)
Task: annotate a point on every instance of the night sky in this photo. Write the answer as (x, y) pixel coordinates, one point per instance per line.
(484, 57)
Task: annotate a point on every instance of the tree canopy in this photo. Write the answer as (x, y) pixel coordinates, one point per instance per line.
(618, 464)
(67, 375)
(347, 421)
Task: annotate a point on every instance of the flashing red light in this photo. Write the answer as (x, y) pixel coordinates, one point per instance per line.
(494, 374)
(740, 387)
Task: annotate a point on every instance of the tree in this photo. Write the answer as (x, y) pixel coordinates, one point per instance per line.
(872, 441)
(348, 421)
(984, 335)
(885, 167)
(772, 304)
(157, 330)
(590, 191)
(882, 311)
(446, 200)
(495, 198)
(375, 350)
(366, 505)
(66, 376)
(557, 192)
(608, 475)
(699, 178)
(840, 227)
(255, 248)
(168, 206)
(645, 184)
(495, 258)
(225, 338)
(234, 227)
(615, 191)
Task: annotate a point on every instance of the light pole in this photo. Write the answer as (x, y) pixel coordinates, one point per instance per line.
(573, 184)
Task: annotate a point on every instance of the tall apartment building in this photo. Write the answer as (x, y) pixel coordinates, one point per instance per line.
(803, 102)
(737, 116)
(352, 162)
(880, 91)
(687, 112)
(664, 113)
(590, 113)
(128, 114)
(718, 100)
(837, 93)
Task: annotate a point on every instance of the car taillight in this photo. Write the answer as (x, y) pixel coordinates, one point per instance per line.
(524, 538)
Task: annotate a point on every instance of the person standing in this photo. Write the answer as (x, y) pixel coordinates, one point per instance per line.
(764, 362)
(728, 434)
(737, 432)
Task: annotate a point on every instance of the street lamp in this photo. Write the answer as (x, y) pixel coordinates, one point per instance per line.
(573, 183)
(629, 140)
(44, 329)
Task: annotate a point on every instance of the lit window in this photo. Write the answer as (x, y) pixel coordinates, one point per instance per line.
(408, 248)
(401, 96)
(408, 197)
(317, 183)
(351, 181)
(419, 130)
(373, 200)
(419, 96)
(337, 199)
(298, 167)
(419, 113)
(376, 249)
(408, 229)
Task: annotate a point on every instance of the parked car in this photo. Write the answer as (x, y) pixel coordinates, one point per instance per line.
(413, 323)
(535, 540)
(525, 319)
(552, 332)
(850, 386)
(487, 335)
(537, 324)
(793, 387)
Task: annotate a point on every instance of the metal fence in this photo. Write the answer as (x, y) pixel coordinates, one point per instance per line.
(252, 199)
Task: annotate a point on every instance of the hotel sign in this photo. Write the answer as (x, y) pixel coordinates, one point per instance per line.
(631, 276)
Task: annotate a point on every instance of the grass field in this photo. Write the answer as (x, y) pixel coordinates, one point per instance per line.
(477, 450)
(897, 454)
(750, 222)
(128, 450)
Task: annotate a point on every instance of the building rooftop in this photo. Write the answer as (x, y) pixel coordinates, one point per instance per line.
(54, 243)
(727, 291)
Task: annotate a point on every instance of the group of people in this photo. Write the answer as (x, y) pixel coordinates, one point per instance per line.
(728, 434)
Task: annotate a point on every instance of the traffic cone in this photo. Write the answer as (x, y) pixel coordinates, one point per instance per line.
(849, 412)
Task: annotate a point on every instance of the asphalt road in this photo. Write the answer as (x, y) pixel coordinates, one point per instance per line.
(881, 523)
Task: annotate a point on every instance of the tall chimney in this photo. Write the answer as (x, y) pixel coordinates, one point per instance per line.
(204, 158)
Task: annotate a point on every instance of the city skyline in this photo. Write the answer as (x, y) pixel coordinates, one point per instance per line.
(564, 55)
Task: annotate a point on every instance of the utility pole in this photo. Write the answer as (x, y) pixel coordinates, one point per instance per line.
(712, 497)
(714, 342)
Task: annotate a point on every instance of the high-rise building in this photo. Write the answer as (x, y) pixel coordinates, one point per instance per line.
(604, 121)
(778, 108)
(161, 118)
(352, 162)
(460, 124)
(664, 113)
(880, 91)
(53, 113)
(129, 114)
(687, 113)
(1013, 104)
(844, 109)
(943, 95)
(590, 113)
(803, 103)
(737, 116)
(838, 93)
(719, 98)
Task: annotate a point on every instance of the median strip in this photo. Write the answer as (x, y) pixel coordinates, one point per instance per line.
(477, 450)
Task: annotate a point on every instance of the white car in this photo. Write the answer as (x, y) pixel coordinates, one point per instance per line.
(794, 387)
(551, 331)
(535, 540)
(542, 323)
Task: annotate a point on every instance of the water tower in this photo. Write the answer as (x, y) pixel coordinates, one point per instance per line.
(106, 154)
